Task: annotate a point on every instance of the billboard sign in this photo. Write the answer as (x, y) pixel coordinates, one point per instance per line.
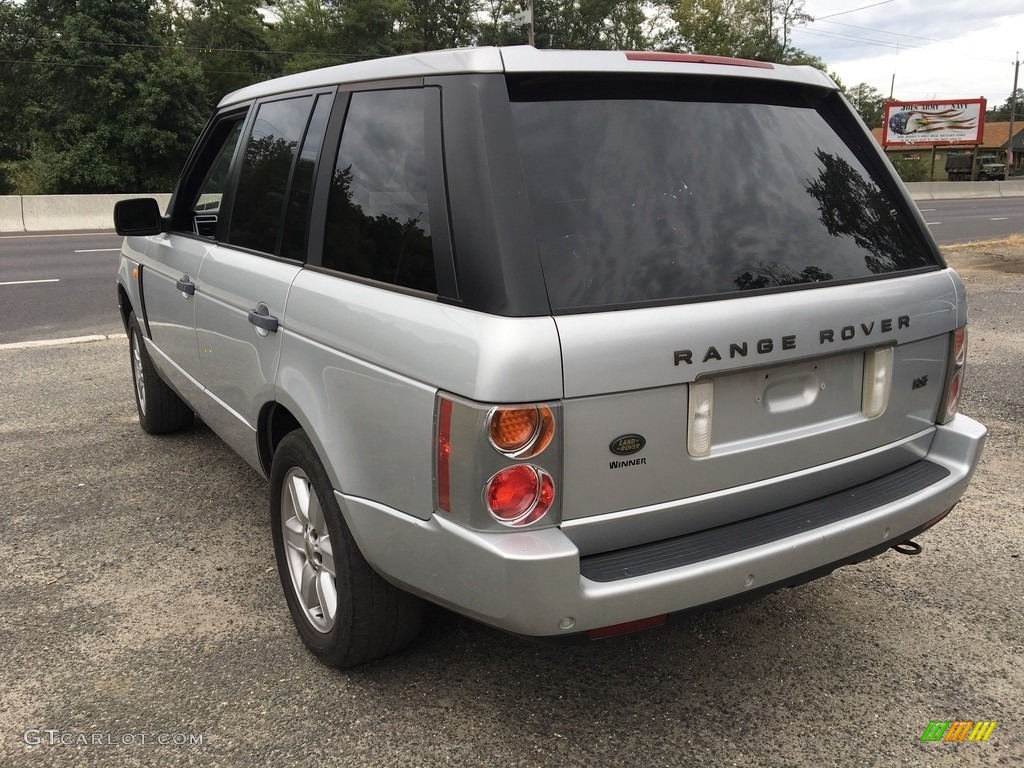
(933, 122)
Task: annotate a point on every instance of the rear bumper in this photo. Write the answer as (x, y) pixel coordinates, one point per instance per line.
(536, 583)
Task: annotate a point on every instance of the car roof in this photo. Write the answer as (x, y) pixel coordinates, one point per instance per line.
(526, 59)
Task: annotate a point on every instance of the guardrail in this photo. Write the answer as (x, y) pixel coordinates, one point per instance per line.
(54, 213)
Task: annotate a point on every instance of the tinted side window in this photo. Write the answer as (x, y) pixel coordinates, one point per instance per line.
(378, 222)
(293, 241)
(266, 169)
(203, 189)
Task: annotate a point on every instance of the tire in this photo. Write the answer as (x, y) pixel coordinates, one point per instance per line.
(347, 617)
(160, 409)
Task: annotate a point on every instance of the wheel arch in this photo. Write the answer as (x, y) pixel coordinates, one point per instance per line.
(275, 421)
(124, 305)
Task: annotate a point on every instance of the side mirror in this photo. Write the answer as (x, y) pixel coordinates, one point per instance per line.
(138, 217)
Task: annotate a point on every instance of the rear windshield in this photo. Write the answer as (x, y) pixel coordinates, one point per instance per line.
(663, 191)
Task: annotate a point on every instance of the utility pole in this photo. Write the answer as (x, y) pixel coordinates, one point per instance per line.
(1013, 111)
(525, 19)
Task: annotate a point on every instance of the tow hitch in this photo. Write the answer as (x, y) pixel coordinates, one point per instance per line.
(908, 547)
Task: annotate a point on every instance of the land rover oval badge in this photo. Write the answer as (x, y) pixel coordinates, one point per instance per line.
(627, 444)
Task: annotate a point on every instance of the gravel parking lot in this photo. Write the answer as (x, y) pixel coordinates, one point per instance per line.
(142, 615)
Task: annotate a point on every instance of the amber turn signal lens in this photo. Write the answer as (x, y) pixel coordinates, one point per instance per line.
(520, 432)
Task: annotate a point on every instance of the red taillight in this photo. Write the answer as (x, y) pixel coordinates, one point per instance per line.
(497, 467)
(954, 374)
(519, 495)
(444, 452)
(953, 395)
(960, 346)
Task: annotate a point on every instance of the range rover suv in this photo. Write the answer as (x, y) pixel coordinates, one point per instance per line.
(567, 342)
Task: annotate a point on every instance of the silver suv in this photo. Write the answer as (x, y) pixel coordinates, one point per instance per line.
(567, 342)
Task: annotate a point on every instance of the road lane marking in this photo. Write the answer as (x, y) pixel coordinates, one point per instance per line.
(61, 342)
(932, 223)
(98, 250)
(1000, 218)
(27, 282)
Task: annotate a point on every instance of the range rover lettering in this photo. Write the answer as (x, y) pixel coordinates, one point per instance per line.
(567, 342)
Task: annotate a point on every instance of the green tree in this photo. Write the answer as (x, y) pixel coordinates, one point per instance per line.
(19, 28)
(114, 109)
(228, 38)
(869, 103)
(1002, 112)
(751, 29)
(308, 35)
(590, 24)
(433, 24)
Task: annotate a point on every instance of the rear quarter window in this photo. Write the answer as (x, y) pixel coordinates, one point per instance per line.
(378, 217)
(661, 191)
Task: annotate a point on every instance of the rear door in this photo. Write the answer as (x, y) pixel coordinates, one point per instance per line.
(244, 281)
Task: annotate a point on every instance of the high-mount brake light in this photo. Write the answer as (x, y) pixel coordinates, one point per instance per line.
(520, 432)
(519, 495)
(696, 58)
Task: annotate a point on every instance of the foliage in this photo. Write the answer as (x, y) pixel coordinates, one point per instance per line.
(1002, 112)
(109, 95)
(851, 206)
(910, 170)
(869, 103)
(749, 29)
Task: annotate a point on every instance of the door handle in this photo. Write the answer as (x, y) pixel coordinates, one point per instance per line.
(186, 286)
(264, 321)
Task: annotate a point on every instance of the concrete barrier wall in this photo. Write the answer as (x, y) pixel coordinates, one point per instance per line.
(55, 213)
(11, 219)
(959, 190)
(49, 213)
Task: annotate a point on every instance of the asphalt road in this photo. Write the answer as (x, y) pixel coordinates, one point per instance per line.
(962, 221)
(140, 604)
(77, 296)
(58, 285)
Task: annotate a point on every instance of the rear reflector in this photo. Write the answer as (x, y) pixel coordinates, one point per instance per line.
(626, 628)
(444, 452)
(695, 58)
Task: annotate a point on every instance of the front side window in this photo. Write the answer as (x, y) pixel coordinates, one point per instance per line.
(378, 221)
(661, 191)
(208, 179)
(259, 203)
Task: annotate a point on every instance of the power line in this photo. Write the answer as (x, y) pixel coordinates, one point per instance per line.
(854, 10)
(899, 35)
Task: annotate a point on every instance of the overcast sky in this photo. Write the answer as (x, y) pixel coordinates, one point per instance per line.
(938, 49)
